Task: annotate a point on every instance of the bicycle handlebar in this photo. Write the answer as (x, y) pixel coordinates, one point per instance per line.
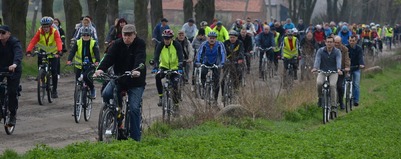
(210, 67)
(41, 53)
(266, 49)
(106, 76)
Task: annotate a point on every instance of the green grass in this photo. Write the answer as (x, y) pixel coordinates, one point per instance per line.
(370, 131)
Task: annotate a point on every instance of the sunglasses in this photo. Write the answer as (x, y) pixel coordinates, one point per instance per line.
(85, 35)
(2, 32)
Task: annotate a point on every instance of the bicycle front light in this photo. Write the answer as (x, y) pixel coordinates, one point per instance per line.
(325, 85)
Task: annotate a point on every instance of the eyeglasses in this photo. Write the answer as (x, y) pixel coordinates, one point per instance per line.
(85, 35)
(2, 32)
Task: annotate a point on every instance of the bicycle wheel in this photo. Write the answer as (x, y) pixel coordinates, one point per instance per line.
(88, 104)
(324, 108)
(346, 96)
(41, 87)
(226, 95)
(8, 128)
(103, 108)
(108, 126)
(271, 69)
(49, 88)
(165, 106)
(169, 109)
(264, 70)
(78, 103)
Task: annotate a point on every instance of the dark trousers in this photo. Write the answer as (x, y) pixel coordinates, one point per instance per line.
(248, 61)
(87, 76)
(12, 89)
(235, 71)
(269, 55)
(53, 63)
(175, 78)
(216, 80)
(340, 88)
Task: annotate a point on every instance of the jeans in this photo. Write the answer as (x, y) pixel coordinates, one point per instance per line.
(135, 104)
(355, 86)
(333, 89)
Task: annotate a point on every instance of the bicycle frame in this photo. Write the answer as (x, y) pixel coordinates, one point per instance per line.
(209, 84)
(327, 111)
(4, 104)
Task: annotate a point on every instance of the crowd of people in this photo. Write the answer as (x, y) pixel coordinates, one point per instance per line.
(336, 47)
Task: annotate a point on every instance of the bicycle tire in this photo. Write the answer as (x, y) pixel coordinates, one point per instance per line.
(103, 108)
(169, 108)
(324, 108)
(264, 70)
(77, 103)
(49, 88)
(8, 128)
(271, 69)
(108, 126)
(164, 106)
(346, 95)
(88, 104)
(41, 86)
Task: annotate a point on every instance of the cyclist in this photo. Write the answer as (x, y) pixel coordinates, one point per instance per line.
(85, 50)
(357, 63)
(333, 27)
(48, 40)
(236, 26)
(345, 64)
(117, 31)
(277, 49)
(57, 23)
(187, 51)
(380, 36)
(388, 31)
(86, 22)
(264, 40)
(200, 38)
(366, 34)
(234, 59)
(328, 58)
(247, 41)
(290, 50)
(168, 56)
(250, 28)
(203, 25)
(345, 33)
(319, 36)
(308, 47)
(221, 31)
(11, 58)
(212, 52)
(288, 24)
(190, 29)
(159, 28)
(124, 55)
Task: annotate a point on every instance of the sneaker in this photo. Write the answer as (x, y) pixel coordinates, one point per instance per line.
(54, 94)
(93, 93)
(12, 121)
(160, 102)
(356, 104)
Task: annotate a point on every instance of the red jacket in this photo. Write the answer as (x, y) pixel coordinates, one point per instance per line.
(319, 36)
(41, 34)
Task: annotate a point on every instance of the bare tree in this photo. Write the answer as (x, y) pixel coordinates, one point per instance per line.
(100, 21)
(204, 10)
(188, 9)
(156, 12)
(35, 14)
(92, 4)
(141, 22)
(112, 12)
(293, 9)
(73, 12)
(306, 8)
(47, 8)
(16, 18)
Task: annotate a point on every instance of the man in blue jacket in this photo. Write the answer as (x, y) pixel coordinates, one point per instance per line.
(159, 28)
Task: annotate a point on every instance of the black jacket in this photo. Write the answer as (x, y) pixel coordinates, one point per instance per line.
(234, 51)
(356, 56)
(11, 53)
(126, 58)
(247, 41)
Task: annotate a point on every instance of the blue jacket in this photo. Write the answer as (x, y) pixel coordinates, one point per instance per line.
(210, 56)
(158, 30)
(289, 26)
(345, 36)
(265, 40)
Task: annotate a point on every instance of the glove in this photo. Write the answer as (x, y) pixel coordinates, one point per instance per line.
(240, 61)
(180, 71)
(154, 70)
(28, 53)
(60, 53)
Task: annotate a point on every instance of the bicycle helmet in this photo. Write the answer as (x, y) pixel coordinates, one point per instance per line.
(318, 27)
(295, 30)
(374, 28)
(212, 34)
(290, 32)
(168, 33)
(372, 24)
(203, 23)
(46, 21)
(86, 30)
(233, 32)
(378, 25)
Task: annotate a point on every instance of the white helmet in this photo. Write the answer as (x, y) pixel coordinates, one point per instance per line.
(295, 30)
(372, 24)
(318, 26)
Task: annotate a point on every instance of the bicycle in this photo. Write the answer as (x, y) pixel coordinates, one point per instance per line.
(115, 119)
(44, 79)
(328, 111)
(82, 95)
(5, 112)
(209, 84)
(228, 86)
(289, 74)
(198, 82)
(267, 64)
(168, 107)
(348, 93)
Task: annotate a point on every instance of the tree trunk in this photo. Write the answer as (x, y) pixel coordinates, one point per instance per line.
(92, 4)
(204, 10)
(188, 9)
(112, 12)
(47, 8)
(35, 15)
(310, 6)
(16, 18)
(73, 12)
(100, 21)
(141, 22)
(156, 12)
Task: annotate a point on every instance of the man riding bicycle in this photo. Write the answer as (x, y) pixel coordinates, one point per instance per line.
(290, 52)
(211, 52)
(328, 58)
(234, 57)
(126, 54)
(345, 65)
(265, 40)
(357, 63)
(10, 60)
(85, 50)
(48, 40)
(168, 56)
(247, 41)
(187, 51)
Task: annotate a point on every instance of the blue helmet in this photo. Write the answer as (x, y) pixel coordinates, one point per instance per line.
(212, 34)
(46, 21)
